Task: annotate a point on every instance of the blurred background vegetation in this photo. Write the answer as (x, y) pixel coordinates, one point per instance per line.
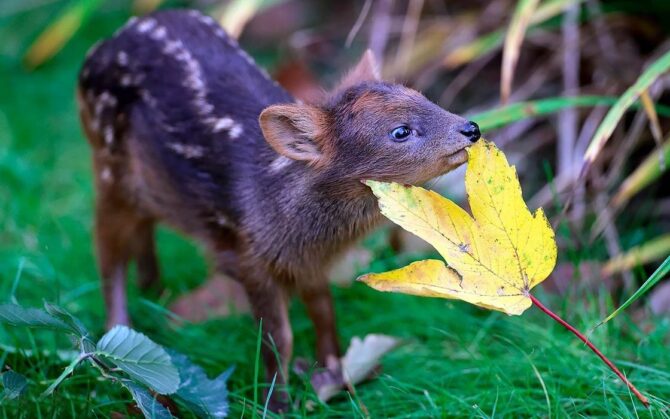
(546, 81)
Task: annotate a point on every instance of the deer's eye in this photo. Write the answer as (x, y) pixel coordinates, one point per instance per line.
(401, 133)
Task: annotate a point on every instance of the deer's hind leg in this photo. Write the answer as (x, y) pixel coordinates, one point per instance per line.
(123, 233)
(144, 253)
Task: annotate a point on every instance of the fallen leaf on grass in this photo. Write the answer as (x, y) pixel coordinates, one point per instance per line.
(363, 356)
(496, 256)
(358, 364)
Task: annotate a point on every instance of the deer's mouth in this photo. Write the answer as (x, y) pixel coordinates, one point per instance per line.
(457, 158)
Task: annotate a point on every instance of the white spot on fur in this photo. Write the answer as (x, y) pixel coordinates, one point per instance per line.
(158, 33)
(222, 123)
(104, 101)
(122, 58)
(222, 220)
(146, 25)
(148, 98)
(207, 20)
(107, 99)
(203, 107)
(279, 164)
(106, 175)
(93, 125)
(235, 131)
(194, 83)
(171, 47)
(126, 80)
(108, 133)
(190, 151)
(99, 106)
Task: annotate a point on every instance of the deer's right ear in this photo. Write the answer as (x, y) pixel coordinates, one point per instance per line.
(293, 130)
(367, 69)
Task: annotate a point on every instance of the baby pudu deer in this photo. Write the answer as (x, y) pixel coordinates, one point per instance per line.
(186, 129)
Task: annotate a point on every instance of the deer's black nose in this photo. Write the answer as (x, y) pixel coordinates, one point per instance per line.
(471, 130)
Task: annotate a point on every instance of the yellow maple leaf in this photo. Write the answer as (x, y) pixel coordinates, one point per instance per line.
(494, 258)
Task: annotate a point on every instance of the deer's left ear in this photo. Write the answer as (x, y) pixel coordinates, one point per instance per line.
(293, 130)
(366, 70)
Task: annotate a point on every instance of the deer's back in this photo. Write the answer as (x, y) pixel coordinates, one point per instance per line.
(173, 97)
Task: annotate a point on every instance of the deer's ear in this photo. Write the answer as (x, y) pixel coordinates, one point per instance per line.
(293, 131)
(366, 70)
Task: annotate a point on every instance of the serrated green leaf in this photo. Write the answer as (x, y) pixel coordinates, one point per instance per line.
(139, 357)
(16, 315)
(150, 407)
(206, 398)
(87, 344)
(15, 384)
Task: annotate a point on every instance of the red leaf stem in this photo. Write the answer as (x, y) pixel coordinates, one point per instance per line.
(584, 339)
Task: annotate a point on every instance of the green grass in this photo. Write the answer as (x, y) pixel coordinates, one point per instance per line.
(456, 361)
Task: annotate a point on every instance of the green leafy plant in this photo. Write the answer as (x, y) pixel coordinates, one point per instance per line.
(126, 357)
(14, 385)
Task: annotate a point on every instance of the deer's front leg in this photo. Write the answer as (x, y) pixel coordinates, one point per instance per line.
(319, 304)
(269, 305)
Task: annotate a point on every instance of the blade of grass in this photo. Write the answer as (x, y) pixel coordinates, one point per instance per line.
(257, 363)
(494, 40)
(658, 274)
(59, 32)
(267, 400)
(652, 250)
(611, 120)
(646, 173)
(513, 39)
(499, 117)
(648, 106)
(506, 115)
(473, 50)
(655, 126)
